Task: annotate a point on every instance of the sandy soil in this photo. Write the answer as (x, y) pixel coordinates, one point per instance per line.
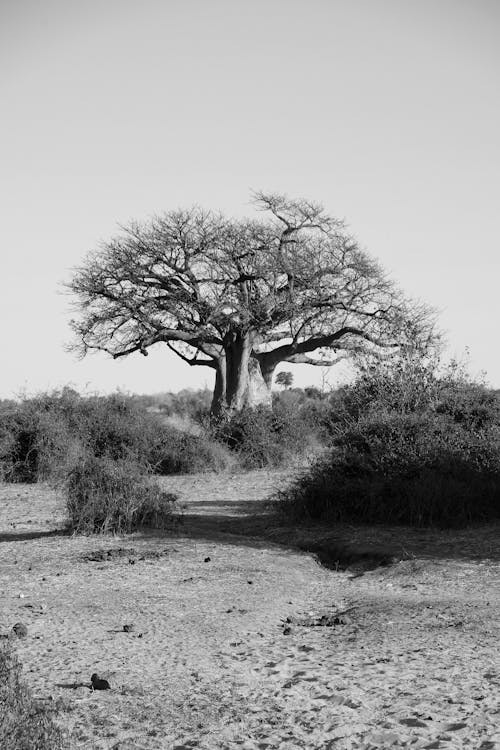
(211, 661)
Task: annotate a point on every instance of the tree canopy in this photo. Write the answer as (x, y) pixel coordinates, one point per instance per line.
(285, 379)
(241, 296)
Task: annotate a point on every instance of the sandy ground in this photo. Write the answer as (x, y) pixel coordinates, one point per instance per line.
(211, 661)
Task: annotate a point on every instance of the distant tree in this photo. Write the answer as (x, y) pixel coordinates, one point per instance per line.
(284, 379)
(241, 296)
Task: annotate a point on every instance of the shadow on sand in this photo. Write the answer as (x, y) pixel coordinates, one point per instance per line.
(338, 546)
(73, 685)
(25, 536)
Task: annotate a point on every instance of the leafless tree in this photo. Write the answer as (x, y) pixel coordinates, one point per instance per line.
(241, 296)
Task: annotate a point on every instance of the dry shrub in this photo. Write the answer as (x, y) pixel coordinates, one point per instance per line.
(407, 447)
(45, 436)
(192, 454)
(104, 496)
(25, 724)
(402, 469)
(264, 437)
(194, 404)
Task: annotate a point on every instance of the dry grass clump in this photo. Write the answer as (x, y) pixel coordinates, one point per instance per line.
(114, 496)
(25, 724)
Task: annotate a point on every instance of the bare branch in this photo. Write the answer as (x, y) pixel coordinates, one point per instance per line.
(304, 359)
(322, 342)
(281, 288)
(194, 360)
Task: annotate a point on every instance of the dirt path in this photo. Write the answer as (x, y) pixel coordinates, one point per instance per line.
(211, 661)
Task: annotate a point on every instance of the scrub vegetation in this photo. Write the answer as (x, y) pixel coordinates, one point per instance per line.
(406, 443)
(25, 723)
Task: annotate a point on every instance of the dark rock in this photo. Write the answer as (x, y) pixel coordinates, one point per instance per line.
(20, 630)
(412, 722)
(97, 683)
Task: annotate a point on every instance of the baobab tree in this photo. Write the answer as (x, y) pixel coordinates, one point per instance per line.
(242, 296)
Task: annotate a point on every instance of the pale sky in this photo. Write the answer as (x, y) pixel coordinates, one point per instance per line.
(385, 111)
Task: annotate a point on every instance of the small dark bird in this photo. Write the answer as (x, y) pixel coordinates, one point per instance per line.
(20, 630)
(96, 683)
(128, 628)
(207, 559)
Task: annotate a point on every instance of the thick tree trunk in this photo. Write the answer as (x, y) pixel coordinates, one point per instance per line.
(259, 385)
(238, 349)
(219, 397)
(241, 379)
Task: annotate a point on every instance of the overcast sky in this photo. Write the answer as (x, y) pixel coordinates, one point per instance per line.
(386, 111)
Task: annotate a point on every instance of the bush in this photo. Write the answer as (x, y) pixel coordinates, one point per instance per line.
(43, 437)
(418, 469)
(25, 724)
(187, 403)
(32, 444)
(471, 405)
(412, 386)
(264, 437)
(113, 496)
(183, 453)
(40, 437)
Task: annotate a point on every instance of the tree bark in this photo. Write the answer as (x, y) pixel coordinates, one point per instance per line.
(219, 395)
(259, 384)
(240, 378)
(238, 349)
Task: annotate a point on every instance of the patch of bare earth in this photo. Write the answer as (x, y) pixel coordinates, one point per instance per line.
(240, 639)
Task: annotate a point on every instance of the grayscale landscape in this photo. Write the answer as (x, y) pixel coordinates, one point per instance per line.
(408, 654)
(250, 375)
